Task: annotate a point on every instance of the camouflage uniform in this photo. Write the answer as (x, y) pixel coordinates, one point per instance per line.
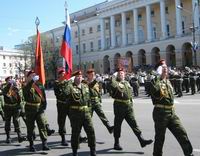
(34, 111)
(79, 114)
(164, 117)
(12, 109)
(1, 105)
(123, 109)
(62, 107)
(96, 104)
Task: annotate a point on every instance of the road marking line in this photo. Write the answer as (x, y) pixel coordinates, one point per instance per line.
(196, 150)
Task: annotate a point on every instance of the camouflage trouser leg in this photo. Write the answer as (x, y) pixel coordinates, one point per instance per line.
(61, 118)
(164, 120)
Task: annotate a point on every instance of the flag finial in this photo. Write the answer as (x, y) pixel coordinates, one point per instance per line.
(37, 22)
(66, 5)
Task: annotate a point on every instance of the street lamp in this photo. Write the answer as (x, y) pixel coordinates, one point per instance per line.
(193, 29)
(79, 42)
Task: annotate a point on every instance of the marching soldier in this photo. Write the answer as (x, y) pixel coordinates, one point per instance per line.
(1, 105)
(62, 104)
(135, 85)
(35, 98)
(164, 115)
(178, 81)
(193, 81)
(186, 79)
(79, 113)
(96, 99)
(120, 90)
(12, 108)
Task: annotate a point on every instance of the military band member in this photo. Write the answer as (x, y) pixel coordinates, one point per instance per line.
(12, 108)
(79, 113)
(62, 104)
(35, 98)
(164, 115)
(120, 90)
(95, 96)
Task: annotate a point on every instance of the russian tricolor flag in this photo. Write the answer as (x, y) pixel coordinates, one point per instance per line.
(66, 50)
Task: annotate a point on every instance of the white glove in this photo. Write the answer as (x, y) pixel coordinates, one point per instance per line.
(72, 78)
(115, 74)
(36, 78)
(12, 81)
(159, 70)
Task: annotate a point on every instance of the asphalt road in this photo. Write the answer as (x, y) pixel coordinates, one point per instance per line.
(187, 108)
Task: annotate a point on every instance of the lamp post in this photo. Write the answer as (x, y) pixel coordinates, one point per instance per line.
(193, 29)
(79, 42)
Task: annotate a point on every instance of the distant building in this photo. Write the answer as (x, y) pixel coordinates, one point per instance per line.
(132, 33)
(13, 63)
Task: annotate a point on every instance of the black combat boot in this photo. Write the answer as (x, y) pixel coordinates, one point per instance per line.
(117, 145)
(63, 141)
(20, 137)
(49, 131)
(8, 139)
(93, 151)
(74, 152)
(32, 147)
(82, 139)
(45, 147)
(144, 142)
(110, 128)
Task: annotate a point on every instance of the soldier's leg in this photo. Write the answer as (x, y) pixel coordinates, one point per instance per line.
(49, 130)
(118, 119)
(160, 125)
(98, 109)
(16, 121)
(41, 122)
(61, 119)
(8, 115)
(130, 118)
(179, 132)
(76, 125)
(89, 129)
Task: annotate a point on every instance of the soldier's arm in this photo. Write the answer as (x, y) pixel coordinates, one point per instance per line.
(6, 89)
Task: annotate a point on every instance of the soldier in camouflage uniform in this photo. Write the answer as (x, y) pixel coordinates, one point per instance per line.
(120, 90)
(164, 115)
(35, 98)
(96, 99)
(79, 113)
(12, 108)
(62, 105)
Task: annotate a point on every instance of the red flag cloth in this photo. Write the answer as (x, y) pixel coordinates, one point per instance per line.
(66, 50)
(39, 63)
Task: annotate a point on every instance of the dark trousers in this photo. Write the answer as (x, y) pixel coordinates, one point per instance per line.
(164, 119)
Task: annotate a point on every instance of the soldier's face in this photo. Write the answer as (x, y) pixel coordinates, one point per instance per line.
(91, 76)
(164, 69)
(121, 75)
(78, 79)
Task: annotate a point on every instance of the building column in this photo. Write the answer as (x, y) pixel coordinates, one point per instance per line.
(163, 19)
(195, 8)
(135, 14)
(112, 27)
(178, 18)
(102, 23)
(149, 26)
(124, 38)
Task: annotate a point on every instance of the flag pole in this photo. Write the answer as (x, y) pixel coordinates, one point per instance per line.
(66, 10)
(37, 23)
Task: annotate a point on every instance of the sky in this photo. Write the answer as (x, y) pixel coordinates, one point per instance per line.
(17, 17)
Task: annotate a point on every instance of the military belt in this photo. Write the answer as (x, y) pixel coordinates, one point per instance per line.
(11, 104)
(164, 106)
(32, 104)
(122, 101)
(80, 108)
(60, 101)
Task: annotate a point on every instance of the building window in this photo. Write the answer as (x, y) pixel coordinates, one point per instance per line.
(166, 10)
(128, 20)
(77, 49)
(99, 44)
(117, 23)
(107, 26)
(76, 34)
(168, 30)
(15, 64)
(4, 71)
(93, 65)
(11, 72)
(10, 64)
(91, 46)
(84, 47)
(152, 13)
(183, 27)
(154, 33)
(4, 57)
(139, 17)
(90, 30)
(98, 28)
(83, 32)
(4, 64)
